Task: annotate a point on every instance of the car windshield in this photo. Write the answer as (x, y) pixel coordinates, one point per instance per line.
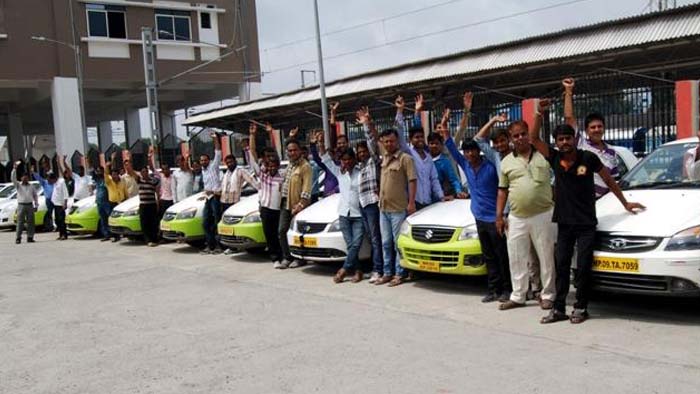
(664, 168)
(7, 191)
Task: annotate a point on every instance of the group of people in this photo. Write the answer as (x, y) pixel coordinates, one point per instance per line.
(533, 202)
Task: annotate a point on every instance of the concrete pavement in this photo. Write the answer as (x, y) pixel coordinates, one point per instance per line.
(81, 316)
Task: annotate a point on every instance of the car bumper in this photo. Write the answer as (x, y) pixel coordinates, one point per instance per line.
(660, 273)
(242, 236)
(130, 225)
(84, 222)
(321, 247)
(182, 230)
(452, 257)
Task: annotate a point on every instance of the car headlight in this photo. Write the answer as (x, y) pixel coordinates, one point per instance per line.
(252, 218)
(335, 226)
(187, 213)
(405, 228)
(688, 239)
(132, 212)
(468, 232)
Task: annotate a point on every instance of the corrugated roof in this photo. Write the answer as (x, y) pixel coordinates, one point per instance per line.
(606, 36)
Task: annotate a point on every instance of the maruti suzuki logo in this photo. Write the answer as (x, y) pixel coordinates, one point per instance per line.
(428, 234)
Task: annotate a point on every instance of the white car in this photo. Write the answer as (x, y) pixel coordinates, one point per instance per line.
(7, 191)
(656, 251)
(314, 234)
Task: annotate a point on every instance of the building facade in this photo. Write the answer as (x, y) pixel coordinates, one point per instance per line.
(45, 44)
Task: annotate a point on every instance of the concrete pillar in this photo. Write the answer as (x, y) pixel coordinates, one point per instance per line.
(132, 126)
(17, 147)
(67, 123)
(104, 134)
(249, 91)
(529, 110)
(687, 118)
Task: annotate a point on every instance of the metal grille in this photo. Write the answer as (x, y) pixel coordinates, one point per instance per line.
(231, 219)
(317, 252)
(607, 242)
(168, 216)
(310, 228)
(418, 255)
(432, 235)
(614, 281)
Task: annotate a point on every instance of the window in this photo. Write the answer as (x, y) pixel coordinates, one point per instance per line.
(173, 25)
(106, 21)
(205, 20)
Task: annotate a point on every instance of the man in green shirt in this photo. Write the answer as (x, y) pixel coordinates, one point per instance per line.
(525, 180)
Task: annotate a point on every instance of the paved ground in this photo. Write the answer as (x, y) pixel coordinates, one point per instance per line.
(82, 316)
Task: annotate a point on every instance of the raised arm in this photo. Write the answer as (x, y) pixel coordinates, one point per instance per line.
(334, 111)
(569, 116)
(371, 135)
(541, 146)
(216, 162)
(485, 130)
(454, 152)
(253, 148)
(399, 123)
(13, 175)
(467, 101)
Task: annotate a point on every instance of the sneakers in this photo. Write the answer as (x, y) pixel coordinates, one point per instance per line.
(152, 244)
(297, 263)
(19, 241)
(217, 251)
(490, 297)
(375, 277)
(30, 240)
(228, 251)
(278, 265)
(205, 251)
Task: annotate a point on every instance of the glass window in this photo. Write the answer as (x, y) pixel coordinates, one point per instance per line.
(182, 29)
(205, 20)
(117, 24)
(166, 29)
(97, 22)
(621, 166)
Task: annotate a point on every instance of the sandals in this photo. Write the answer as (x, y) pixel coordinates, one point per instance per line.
(554, 316)
(578, 316)
(395, 281)
(340, 276)
(510, 305)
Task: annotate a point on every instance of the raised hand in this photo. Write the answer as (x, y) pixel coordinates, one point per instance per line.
(268, 127)
(313, 138)
(543, 105)
(362, 115)
(445, 116)
(252, 128)
(399, 104)
(320, 138)
(334, 106)
(293, 132)
(568, 84)
(500, 118)
(151, 151)
(467, 100)
(420, 102)
(113, 156)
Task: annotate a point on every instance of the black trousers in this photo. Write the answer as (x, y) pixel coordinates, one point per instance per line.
(270, 222)
(60, 216)
(148, 214)
(494, 253)
(163, 206)
(583, 236)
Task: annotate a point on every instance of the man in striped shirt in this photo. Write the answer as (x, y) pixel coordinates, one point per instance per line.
(148, 199)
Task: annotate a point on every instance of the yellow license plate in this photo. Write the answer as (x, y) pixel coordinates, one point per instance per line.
(165, 227)
(430, 266)
(615, 264)
(225, 230)
(308, 242)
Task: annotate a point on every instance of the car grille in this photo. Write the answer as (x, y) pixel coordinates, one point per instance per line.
(608, 280)
(172, 235)
(73, 226)
(168, 216)
(234, 240)
(310, 228)
(446, 259)
(606, 242)
(431, 235)
(117, 214)
(231, 219)
(317, 252)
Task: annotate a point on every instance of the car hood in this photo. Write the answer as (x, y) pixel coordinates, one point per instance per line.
(668, 212)
(190, 202)
(245, 206)
(85, 202)
(455, 213)
(8, 205)
(132, 203)
(323, 211)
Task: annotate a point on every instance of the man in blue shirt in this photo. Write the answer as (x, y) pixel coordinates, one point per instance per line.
(482, 179)
(449, 180)
(47, 186)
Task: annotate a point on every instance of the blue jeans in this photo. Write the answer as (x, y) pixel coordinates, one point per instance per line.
(353, 233)
(370, 218)
(104, 210)
(211, 216)
(390, 225)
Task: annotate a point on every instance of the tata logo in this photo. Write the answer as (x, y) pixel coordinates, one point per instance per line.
(617, 244)
(428, 234)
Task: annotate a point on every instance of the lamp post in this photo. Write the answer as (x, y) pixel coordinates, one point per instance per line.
(79, 77)
(322, 83)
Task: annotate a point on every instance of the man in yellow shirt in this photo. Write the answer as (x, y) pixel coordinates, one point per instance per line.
(116, 189)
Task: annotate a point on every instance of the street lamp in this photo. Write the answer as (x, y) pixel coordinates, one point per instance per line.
(321, 80)
(79, 76)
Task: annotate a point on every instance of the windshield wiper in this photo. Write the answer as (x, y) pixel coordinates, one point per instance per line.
(663, 185)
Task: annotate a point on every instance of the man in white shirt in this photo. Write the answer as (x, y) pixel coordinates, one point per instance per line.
(59, 199)
(81, 181)
(691, 160)
(211, 179)
(183, 180)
